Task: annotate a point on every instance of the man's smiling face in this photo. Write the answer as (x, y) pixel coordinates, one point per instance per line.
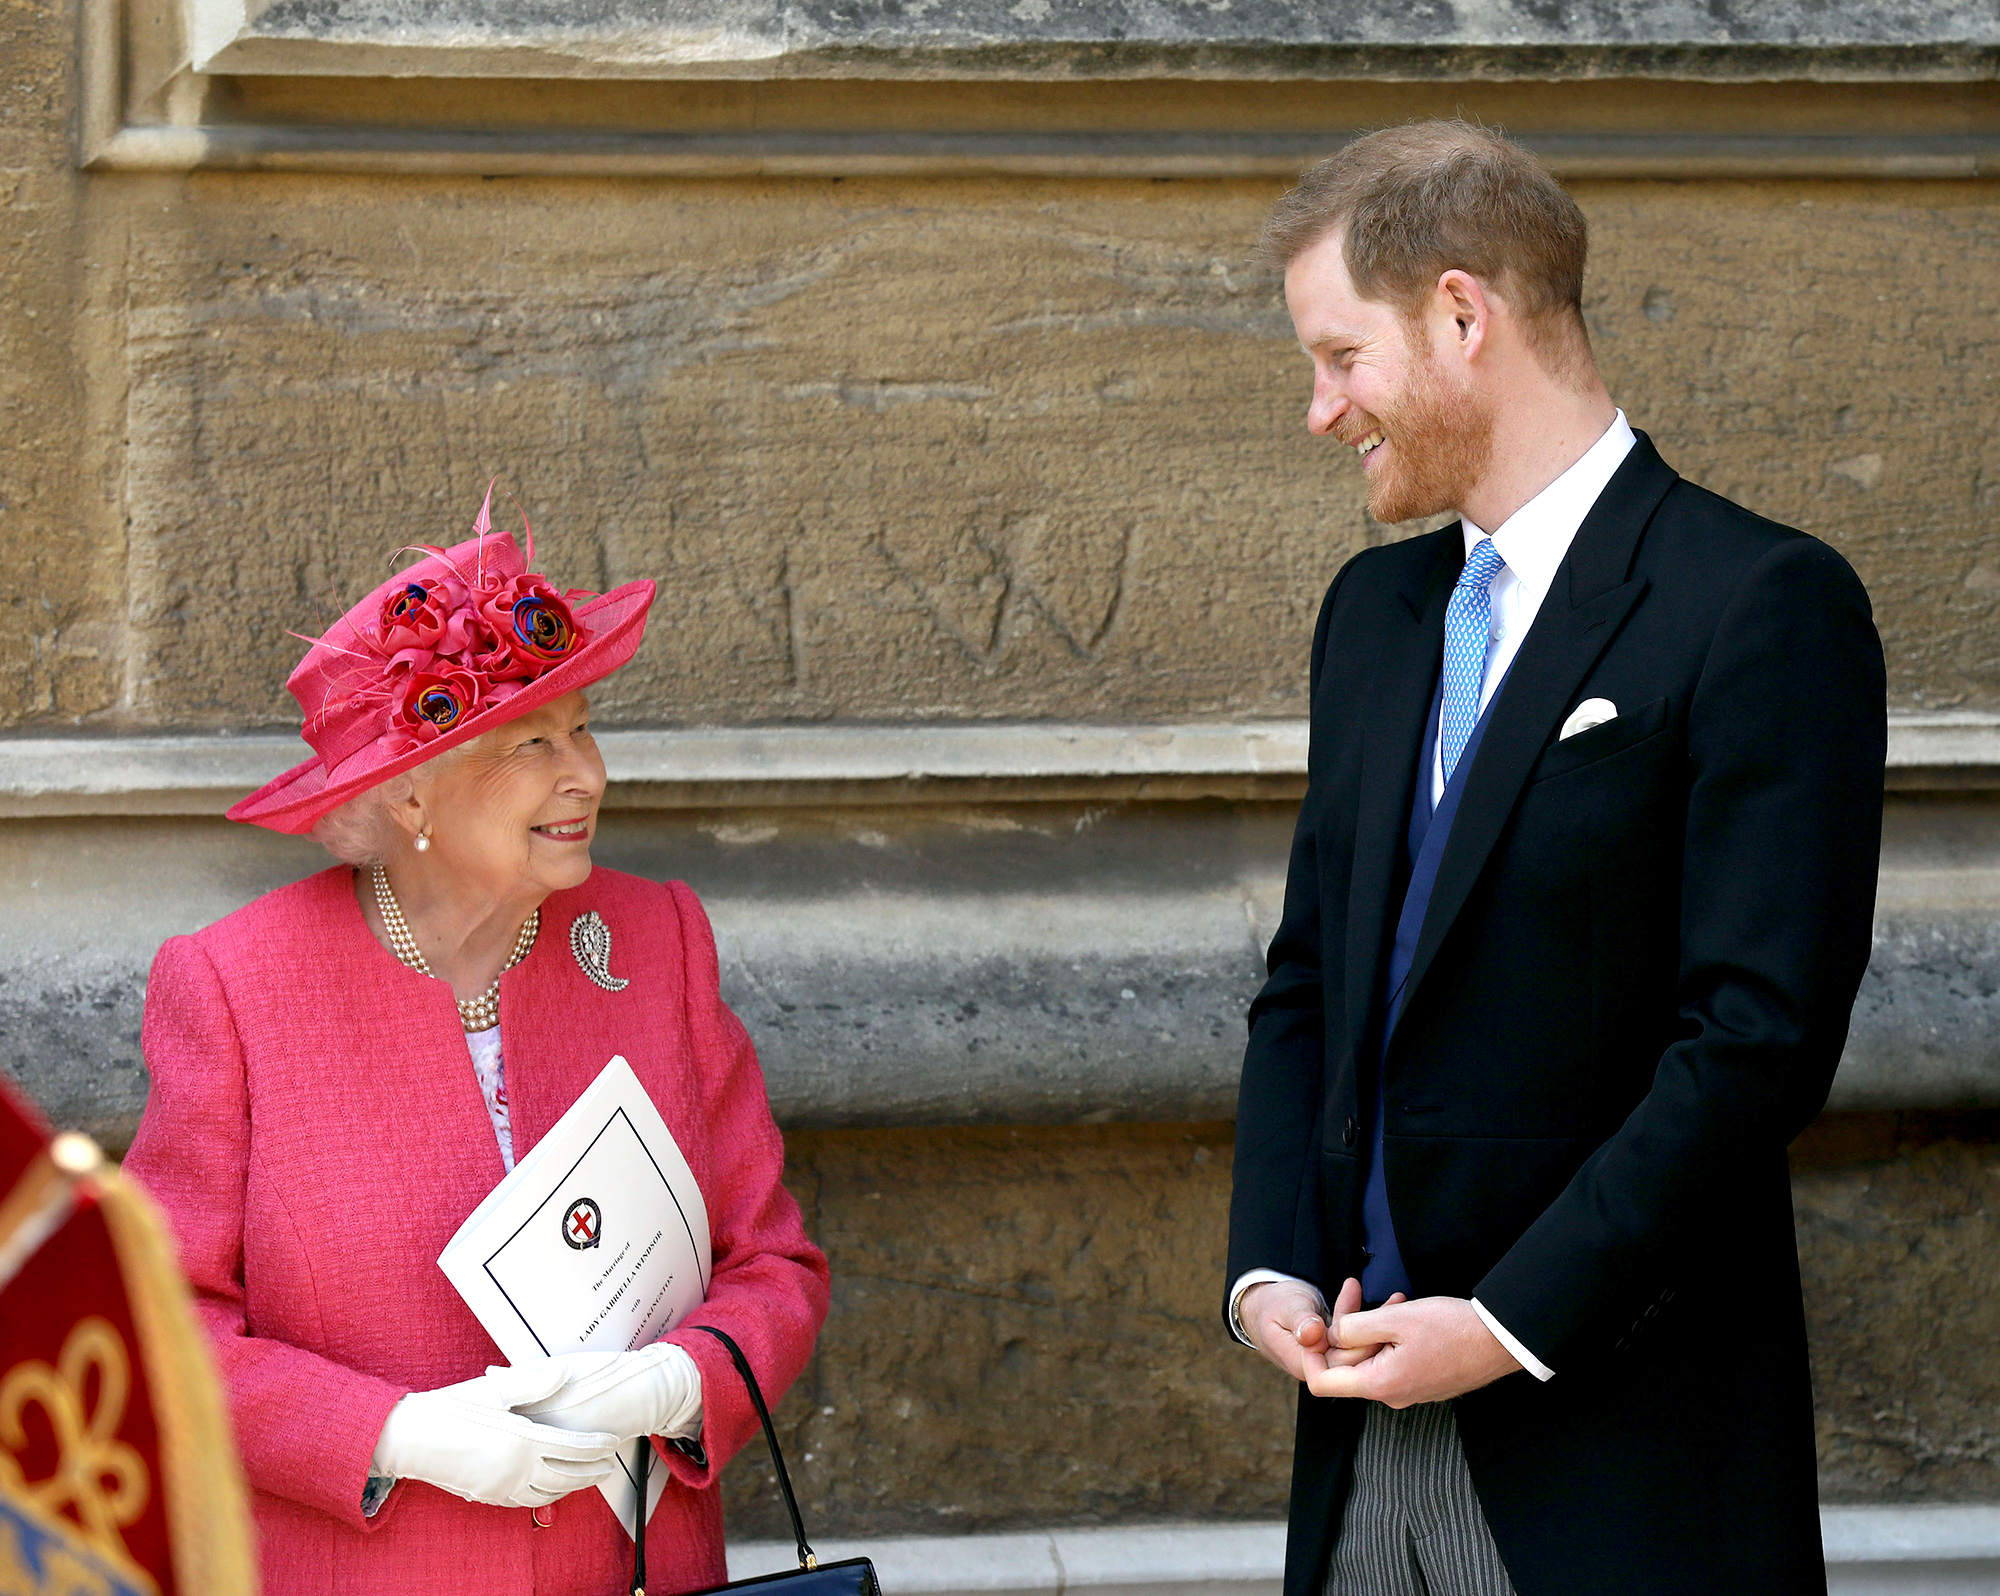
(1381, 386)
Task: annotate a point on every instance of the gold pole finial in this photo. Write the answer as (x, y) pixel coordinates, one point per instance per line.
(76, 1155)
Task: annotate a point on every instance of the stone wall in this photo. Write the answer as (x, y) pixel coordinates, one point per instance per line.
(1024, 1332)
(1899, 1224)
(1025, 1327)
(895, 449)
(61, 580)
(906, 452)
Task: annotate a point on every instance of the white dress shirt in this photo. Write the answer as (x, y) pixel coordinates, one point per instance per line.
(1533, 541)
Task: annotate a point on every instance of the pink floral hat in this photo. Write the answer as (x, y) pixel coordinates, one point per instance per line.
(465, 640)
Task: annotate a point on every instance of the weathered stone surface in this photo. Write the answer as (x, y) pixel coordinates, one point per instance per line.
(1052, 963)
(1926, 1028)
(1040, 963)
(1013, 963)
(1899, 1224)
(1025, 1331)
(941, 450)
(1026, 1327)
(1131, 127)
(897, 450)
(843, 447)
(60, 582)
(1927, 1021)
(70, 1036)
(86, 907)
(1093, 37)
(1835, 302)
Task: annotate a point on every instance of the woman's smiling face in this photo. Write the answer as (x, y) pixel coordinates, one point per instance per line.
(514, 815)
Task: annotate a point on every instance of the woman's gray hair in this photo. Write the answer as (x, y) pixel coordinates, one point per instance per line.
(362, 831)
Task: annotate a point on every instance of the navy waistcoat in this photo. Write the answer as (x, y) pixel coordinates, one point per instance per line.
(1383, 1272)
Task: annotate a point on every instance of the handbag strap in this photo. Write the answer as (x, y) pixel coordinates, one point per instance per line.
(645, 1461)
(806, 1557)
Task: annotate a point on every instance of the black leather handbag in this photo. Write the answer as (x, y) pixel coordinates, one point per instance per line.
(854, 1576)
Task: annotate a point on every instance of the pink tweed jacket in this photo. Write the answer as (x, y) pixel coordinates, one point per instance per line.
(316, 1135)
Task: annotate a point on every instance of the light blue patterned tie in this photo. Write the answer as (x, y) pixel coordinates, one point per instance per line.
(1468, 635)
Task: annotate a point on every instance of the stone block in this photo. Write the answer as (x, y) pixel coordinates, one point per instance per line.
(960, 450)
(1026, 1328)
(1085, 38)
(1899, 1224)
(61, 575)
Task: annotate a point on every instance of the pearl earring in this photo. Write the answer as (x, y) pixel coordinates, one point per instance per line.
(423, 842)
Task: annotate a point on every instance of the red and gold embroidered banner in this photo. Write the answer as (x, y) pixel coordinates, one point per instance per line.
(118, 1476)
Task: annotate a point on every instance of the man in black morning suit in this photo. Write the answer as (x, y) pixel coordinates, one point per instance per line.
(1578, 902)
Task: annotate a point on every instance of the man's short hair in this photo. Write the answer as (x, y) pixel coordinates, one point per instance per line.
(1417, 201)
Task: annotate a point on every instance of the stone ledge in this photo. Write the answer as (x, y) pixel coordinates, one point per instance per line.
(729, 766)
(947, 925)
(714, 767)
(1951, 749)
(704, 767)
(1046, 965)
(1914, 1534)
(1870, 1551)
(1733, 39)
(146, 73)
(777, 153)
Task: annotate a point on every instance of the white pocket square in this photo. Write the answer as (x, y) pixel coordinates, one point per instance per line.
(1591, 712)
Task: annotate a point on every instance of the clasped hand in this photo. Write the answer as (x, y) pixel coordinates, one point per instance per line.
(526, 1436)
(1399, 1354)
(654, 1391)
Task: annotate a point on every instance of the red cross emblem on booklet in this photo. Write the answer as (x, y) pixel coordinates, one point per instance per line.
(583, 1225)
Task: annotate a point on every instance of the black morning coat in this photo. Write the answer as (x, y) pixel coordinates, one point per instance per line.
(1630, 993)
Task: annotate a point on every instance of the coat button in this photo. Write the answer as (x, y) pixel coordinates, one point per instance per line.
(1349, 1132)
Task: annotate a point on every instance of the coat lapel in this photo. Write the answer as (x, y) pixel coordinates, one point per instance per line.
(1554, 658)
(1397, 701)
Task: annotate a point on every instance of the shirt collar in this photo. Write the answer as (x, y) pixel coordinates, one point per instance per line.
(1534, 539)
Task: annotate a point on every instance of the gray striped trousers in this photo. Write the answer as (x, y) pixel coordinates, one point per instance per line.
(1413, 1526)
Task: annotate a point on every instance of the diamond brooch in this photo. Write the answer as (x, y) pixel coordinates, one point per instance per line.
(590, 941)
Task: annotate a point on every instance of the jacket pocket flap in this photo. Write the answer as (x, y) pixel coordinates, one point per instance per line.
(1602, 741)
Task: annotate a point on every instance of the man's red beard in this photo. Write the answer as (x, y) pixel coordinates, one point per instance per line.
(1440, 440)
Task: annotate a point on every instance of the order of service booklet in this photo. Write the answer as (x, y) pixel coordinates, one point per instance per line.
(597, 1239)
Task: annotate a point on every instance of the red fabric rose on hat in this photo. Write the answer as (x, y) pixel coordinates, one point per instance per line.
(530, 627)
(435, 702)
(429, 615)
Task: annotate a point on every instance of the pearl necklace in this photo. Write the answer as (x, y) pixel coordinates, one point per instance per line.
(480, 1013)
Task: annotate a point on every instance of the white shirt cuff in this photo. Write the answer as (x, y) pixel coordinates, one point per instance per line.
(1257, 1277)
(1527, 1359)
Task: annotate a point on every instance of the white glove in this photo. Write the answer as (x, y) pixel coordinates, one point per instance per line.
(466, 1439)
(653, 1391)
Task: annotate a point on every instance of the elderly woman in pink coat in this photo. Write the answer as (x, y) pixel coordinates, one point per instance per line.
(343, 1069)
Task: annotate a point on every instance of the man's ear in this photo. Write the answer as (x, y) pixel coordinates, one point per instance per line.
(1462, 303)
